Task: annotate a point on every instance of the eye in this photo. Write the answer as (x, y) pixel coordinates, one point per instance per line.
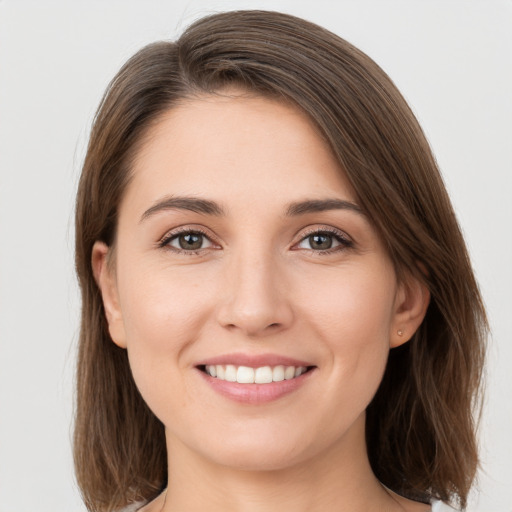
(323, 241)
(189, 241)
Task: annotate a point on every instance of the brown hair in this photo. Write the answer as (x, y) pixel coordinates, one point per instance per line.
(421, 423)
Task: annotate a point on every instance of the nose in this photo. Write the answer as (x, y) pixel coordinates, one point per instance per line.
(255, 299)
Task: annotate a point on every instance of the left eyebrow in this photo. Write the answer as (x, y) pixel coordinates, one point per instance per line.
(321, 205)
(192, 204)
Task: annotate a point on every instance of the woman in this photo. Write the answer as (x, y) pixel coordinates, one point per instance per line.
(278, 307)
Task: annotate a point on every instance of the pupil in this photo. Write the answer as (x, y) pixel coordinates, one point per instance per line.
(190, 241)
(320, 241)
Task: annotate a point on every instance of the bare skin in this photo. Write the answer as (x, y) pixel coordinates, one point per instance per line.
(304, 489)
(269, 276)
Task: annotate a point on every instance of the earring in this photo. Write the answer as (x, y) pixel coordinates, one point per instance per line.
(400, 332)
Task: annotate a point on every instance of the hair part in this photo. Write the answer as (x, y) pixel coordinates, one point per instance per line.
(420, 428)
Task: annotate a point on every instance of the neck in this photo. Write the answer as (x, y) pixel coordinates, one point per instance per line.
(337, 479)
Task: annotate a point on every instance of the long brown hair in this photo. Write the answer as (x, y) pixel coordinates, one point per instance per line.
(421, 423)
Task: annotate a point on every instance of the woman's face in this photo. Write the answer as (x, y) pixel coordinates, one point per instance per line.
(242, 252)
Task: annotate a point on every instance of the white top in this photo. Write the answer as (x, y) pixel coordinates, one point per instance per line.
(437, 506)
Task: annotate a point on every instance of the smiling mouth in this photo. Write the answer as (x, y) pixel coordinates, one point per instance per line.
(248, 375)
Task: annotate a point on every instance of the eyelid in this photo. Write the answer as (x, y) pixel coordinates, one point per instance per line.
(163, 242)
(344, 239)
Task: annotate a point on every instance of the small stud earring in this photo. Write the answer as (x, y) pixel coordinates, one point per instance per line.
(400, 333)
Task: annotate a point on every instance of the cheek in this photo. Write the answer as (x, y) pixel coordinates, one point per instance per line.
(353, 308)
(162, 309)
(163, 316)
(351, 315)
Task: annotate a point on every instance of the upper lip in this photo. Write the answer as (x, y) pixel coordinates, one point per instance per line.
(253, 360)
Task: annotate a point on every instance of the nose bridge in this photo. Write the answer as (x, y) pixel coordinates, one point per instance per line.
(255, 300)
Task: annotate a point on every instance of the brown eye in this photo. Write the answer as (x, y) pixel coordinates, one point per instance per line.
(320, 241)
(189, 241)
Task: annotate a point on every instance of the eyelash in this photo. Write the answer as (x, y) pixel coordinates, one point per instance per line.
(339, 236)
(165, 241)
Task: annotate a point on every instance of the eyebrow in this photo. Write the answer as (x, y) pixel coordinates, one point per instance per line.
(321, 205)
(192, 204)
(207, 207)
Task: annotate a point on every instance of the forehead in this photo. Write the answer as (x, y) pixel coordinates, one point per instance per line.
(236, 142)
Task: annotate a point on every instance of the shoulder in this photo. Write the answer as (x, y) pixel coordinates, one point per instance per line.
(439, 506)
(133, 507)
(145, 506)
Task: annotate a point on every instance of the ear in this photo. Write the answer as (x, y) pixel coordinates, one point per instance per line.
(411, 303)
(106, 280)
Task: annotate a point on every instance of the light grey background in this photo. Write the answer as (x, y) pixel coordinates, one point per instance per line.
(451, 59)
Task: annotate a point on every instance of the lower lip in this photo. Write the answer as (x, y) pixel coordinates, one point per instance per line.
(256, 393)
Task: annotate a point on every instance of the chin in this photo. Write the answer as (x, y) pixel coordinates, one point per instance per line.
(261, 453)
(257, 460)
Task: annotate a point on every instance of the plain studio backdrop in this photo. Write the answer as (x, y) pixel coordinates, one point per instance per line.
(451, 59)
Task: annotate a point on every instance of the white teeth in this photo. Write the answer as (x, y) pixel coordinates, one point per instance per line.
(289, 373)
(230, 374)
(247, 375)
(278, 373)
(263, 375)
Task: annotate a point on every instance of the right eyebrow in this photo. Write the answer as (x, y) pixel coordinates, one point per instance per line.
(192, 204)
(322, 205)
